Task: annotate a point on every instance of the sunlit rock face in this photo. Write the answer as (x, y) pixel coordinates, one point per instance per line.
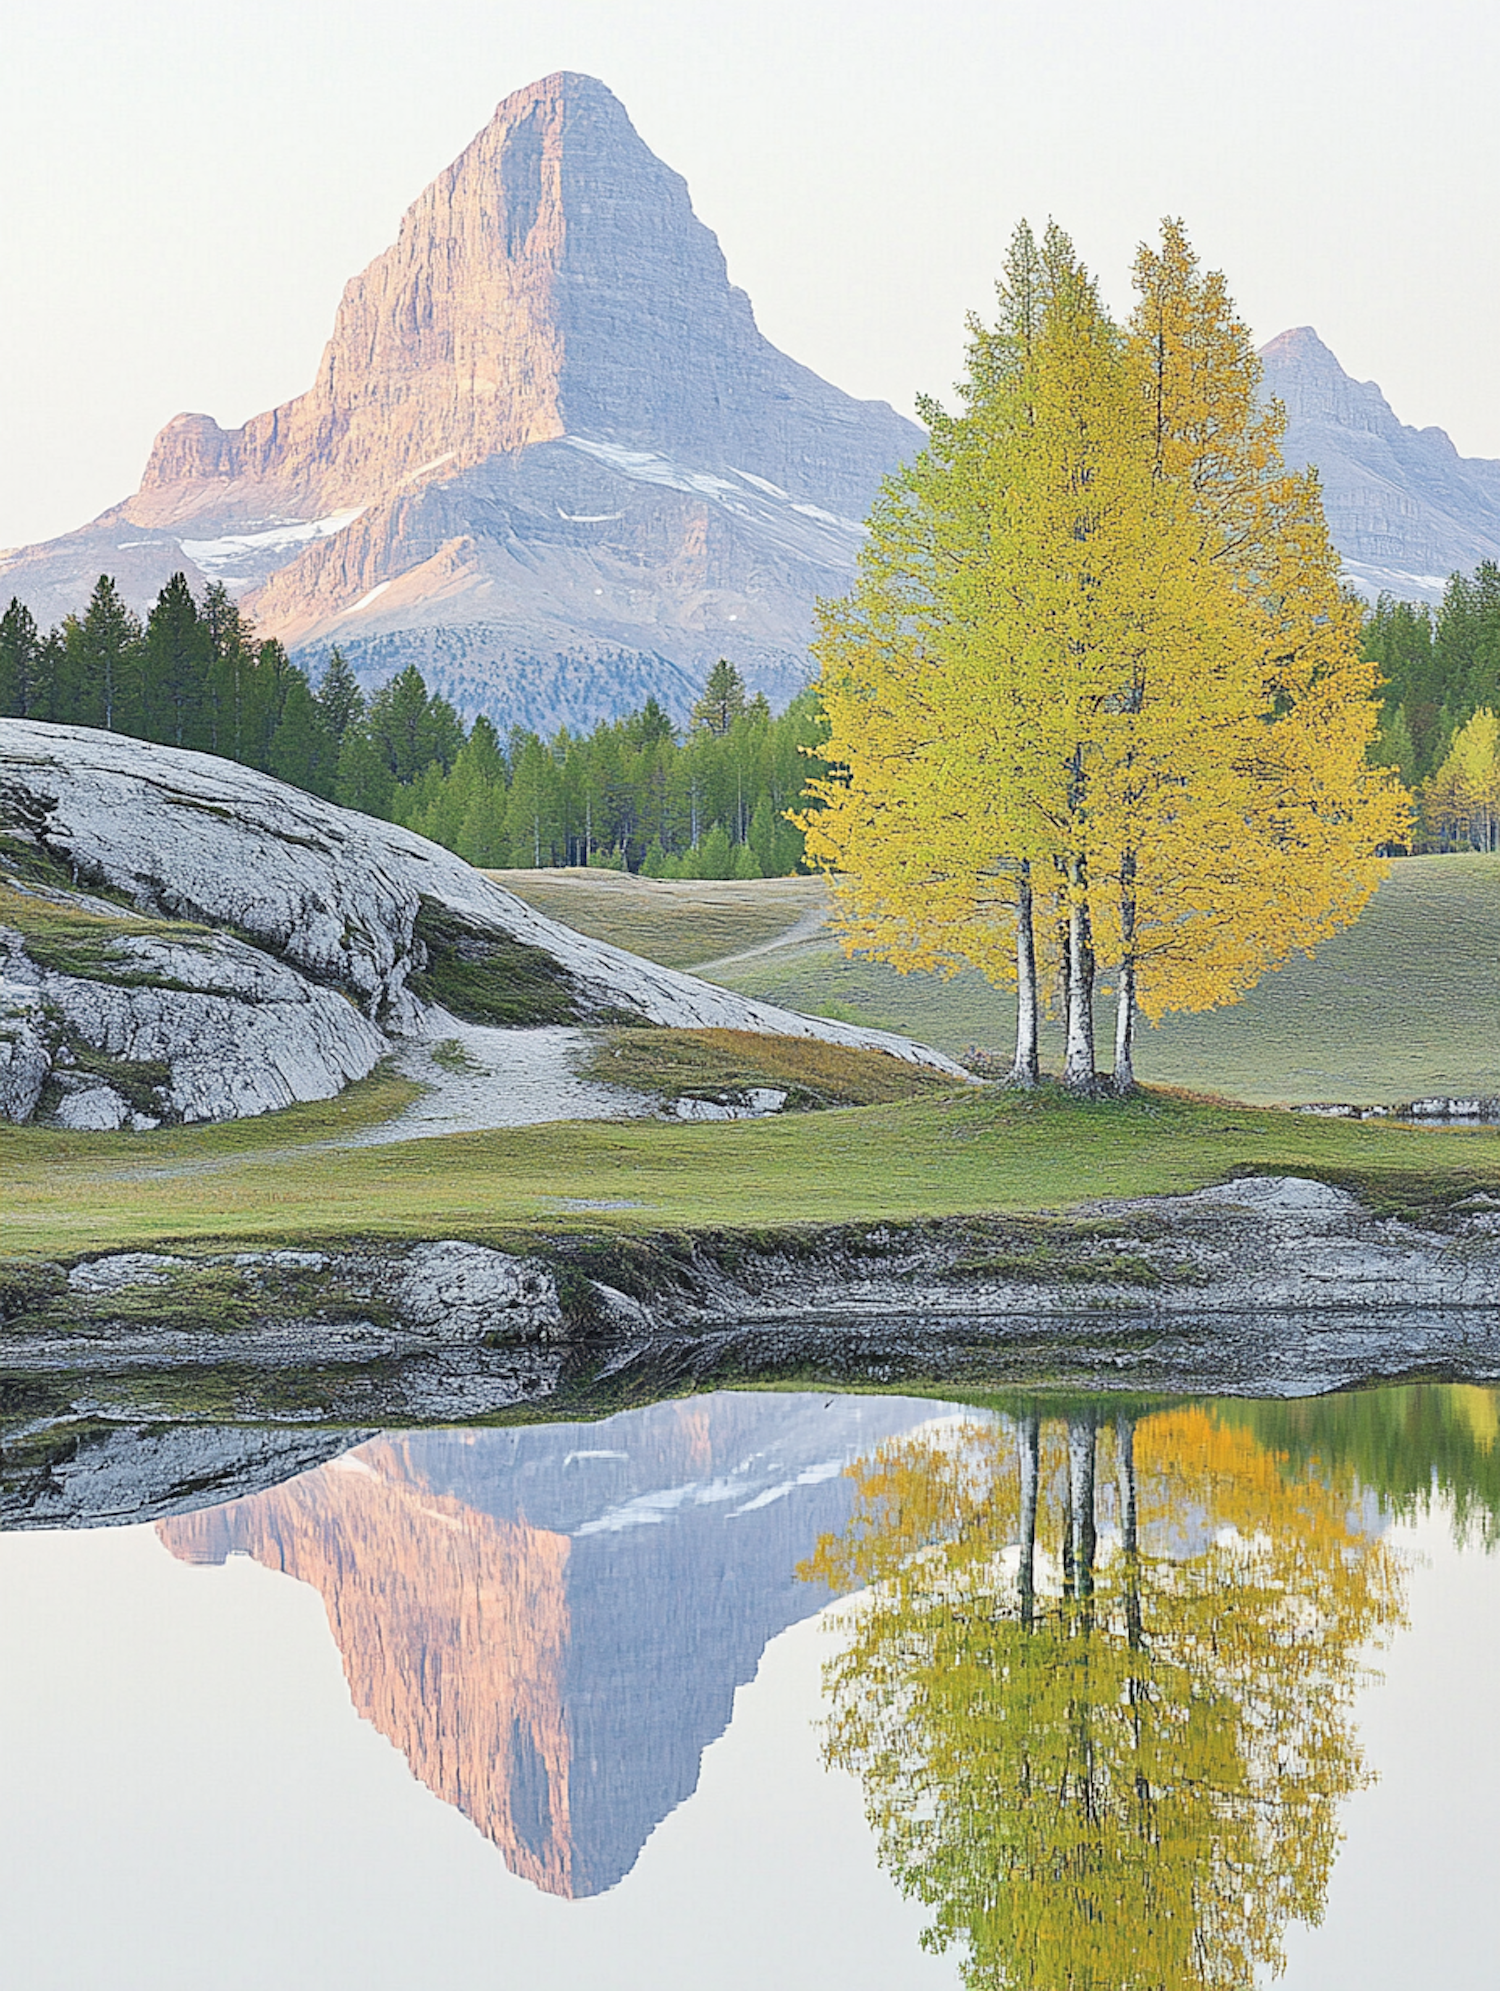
(286, 942)
(1404, 508)
(550, 1623)
(547, 455)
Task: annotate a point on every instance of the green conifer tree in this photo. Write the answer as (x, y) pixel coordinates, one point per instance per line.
(20, 662)
(103, 661)
(363, 781)
(301, 750)
(175, 662)
(723, 699)
(231, 637)
(716, 854)
(339, 696)
(411, 730)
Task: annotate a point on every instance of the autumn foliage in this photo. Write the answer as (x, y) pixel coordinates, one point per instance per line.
(1099, 1692)
(1097, 699)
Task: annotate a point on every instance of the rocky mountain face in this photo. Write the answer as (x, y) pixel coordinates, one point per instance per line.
(547, 456)
(550, 1622)
(1405, 509)
(182, 938)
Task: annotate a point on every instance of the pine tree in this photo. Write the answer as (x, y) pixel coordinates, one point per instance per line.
(483, 837)
(363, 781)
(1394, 747)
(532, 816)
(339, 697)
(231, 637)
(175, 661)
(103, 661)
(715, 855)
(723, 699)
(301, 750)
(20, 662)
(409, 729)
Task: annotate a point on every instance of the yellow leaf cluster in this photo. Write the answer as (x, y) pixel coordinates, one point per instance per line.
(1117, 1762)
(1098, 644)
(1462, 800)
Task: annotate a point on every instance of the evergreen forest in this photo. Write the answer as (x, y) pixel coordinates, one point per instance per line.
(633, 794)
(1438, 724)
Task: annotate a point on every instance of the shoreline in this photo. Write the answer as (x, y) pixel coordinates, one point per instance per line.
(1263, 1286)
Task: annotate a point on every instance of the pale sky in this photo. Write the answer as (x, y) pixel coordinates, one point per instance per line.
(185, 188)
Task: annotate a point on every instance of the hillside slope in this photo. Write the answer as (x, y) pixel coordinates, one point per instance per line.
(238, 944)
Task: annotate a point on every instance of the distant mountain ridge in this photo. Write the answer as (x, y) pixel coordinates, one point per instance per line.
(1405, 509)
(548, 455)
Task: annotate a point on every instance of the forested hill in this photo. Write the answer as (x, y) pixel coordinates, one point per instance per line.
(709, 803)
(1440, 667)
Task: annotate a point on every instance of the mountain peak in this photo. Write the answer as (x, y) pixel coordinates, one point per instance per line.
(1405, 509)
(447, 348)
(553, 280)
(547, 451)
(1300, 346)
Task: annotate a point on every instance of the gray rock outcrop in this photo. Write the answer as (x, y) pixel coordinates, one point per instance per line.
(261, 946)
(1273, 1285)
(548, 454)
(1404, 508)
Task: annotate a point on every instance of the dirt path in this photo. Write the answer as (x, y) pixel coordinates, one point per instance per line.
(477, 1077)
(808, 927)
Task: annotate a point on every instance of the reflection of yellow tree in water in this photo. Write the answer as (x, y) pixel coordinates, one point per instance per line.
(1100, 1695)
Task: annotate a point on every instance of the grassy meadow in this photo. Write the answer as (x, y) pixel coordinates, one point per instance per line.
(1404, 1004)
(681, 923)
(275, 1180)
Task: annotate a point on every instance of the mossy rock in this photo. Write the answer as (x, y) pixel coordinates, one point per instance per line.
(491, 978)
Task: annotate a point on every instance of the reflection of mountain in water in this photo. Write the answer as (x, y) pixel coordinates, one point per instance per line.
(551, 1622)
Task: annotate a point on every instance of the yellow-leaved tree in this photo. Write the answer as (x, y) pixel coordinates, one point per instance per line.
(1303, 861)
(1099, 1691)
(1096, 696)
(1462, 800)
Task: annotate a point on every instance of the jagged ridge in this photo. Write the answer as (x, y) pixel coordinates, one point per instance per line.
(545, 425)
(1404, 508)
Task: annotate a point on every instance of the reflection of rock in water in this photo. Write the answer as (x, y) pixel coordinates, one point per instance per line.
(452, 1626)
(551, 1622)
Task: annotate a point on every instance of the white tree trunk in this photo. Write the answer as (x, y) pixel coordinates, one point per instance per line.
(1079, 1073)
(1027, 1068)
(1124, 1073)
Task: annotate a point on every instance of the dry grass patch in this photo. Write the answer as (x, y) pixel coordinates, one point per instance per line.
(678, 922)
(704, 1064)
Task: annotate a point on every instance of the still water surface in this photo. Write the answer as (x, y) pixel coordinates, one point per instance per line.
(802, 1691)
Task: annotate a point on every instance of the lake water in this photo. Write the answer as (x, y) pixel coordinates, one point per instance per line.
(758, 1689)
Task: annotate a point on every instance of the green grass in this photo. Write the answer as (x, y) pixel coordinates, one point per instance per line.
(488, 979)
(1404, 1004)
(969, 1152)
(702, 1064)
(679, 923)
(71, 940)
